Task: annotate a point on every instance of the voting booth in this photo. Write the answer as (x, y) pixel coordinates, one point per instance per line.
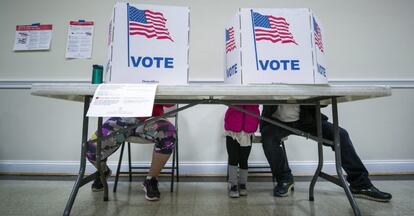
(275, 46)
(148, 44)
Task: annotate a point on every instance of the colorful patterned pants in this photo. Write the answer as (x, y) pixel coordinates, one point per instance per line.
(161, 132)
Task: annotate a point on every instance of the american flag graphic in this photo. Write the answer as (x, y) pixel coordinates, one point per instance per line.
(230, 42)
(274, 29)
(318, 35)
(148, 23)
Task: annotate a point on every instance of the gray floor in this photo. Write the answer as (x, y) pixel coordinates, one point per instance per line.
(41, 197)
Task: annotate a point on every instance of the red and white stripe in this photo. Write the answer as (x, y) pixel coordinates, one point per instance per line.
(318, 39)
(231, 43)
(279, 31)
(154, 28)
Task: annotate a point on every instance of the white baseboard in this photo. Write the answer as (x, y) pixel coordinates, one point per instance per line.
(198, 168)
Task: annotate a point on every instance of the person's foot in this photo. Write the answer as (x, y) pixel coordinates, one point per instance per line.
(242, 190)
(97, 183)
(150, 186)
(282, 189)
(371, 193)
(234, 191)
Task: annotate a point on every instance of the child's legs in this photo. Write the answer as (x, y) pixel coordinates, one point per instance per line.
(243, 164)
(110, 145)
(233, 151)
(164, 135)
(244, 153)
(238, 158)
(238, 155)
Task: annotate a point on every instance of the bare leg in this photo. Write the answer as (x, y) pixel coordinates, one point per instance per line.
(158, 162)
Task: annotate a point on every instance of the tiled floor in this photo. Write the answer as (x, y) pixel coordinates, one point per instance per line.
(48, 197)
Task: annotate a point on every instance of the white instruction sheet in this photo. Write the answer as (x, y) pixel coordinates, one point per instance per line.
(32, 37)
(80, 40)
(123, 100)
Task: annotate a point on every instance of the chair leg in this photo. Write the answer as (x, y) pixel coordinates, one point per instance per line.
(172, 171)
(177, 167)
(129, 162)
(118, 169)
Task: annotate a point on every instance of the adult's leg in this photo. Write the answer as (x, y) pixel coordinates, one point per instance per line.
(164, 135)
(108, 146)
(271, 137)
(357, 174)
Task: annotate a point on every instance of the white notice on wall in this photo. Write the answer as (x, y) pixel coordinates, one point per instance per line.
(80, 40)
(32, 37)
(123, 100)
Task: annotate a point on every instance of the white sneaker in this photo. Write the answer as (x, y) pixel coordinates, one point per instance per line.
(242, 190)
(234, 191)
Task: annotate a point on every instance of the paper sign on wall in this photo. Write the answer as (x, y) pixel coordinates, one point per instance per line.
(33, 37)
(80, 40)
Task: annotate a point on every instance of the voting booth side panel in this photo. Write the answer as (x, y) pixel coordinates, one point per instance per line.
(319, 50)
(108, 66)
(276, 46)
(149, 44)
(233, 68)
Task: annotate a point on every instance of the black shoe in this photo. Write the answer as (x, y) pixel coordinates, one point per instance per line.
(97, 184)
(150, 187)
(371, 193)
(282, 189)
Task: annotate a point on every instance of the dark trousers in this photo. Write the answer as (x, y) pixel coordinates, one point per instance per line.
(357, 174)
(238, 155)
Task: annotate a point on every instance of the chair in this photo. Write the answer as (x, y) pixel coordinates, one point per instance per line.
(173, 170)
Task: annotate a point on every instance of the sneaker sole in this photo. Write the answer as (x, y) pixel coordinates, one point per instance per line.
(234, 196)
(243, 193)
(291, 188)
(363, 196)
(97, 190)
(147, 197)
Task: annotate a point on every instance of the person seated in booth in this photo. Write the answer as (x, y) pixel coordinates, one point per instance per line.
(162, 132)
(239, 130)
(303, 118)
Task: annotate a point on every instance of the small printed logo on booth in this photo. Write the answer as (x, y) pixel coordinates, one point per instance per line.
(230, 41)
(270, 28)
(148, 23)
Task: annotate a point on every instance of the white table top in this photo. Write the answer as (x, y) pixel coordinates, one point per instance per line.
(192, 92)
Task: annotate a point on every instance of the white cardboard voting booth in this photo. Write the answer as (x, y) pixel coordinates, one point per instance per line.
(275, 46)
(148, 44)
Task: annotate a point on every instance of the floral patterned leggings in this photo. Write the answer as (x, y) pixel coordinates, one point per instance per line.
(161, 132)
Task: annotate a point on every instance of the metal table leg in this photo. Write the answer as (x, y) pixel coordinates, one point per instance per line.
(320, 152)
(80, 180)
(338, 162)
